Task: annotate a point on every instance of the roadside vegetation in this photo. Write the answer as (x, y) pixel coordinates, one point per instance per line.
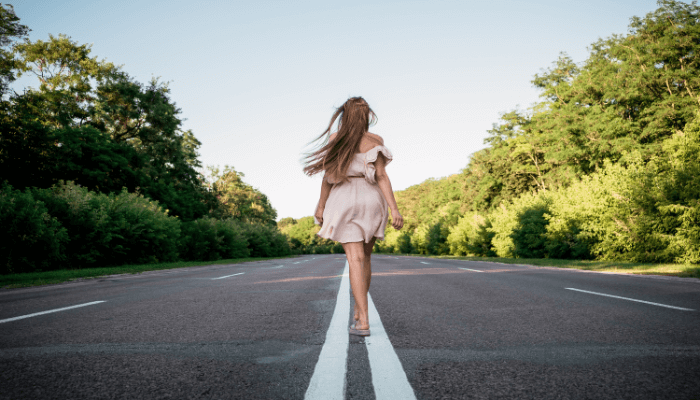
(26, 279)
(95, 170)
(603, 170)
(602, 173)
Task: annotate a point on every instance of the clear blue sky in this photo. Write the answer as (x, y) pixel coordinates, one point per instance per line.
(258, 80)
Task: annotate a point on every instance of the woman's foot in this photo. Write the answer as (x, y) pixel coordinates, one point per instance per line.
(361, 325)
(360, 328)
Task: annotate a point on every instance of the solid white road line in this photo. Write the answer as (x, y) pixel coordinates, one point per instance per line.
(228, 276)
(388, 377)
(328, 380)
(627, 298)
(50, 311)
(467, 269)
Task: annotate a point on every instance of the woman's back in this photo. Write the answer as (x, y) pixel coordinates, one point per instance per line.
(370, 141)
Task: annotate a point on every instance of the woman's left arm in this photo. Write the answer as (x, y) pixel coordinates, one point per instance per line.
(325, 192)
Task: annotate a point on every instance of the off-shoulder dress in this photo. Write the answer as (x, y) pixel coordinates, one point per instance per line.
(357, 210)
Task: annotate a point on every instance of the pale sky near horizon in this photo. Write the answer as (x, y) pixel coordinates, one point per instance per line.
(257, 81)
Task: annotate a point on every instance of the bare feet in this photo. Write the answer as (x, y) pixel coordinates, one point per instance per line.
(361, 325)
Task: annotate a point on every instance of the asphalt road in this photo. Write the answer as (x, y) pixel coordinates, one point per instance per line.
(444, 329)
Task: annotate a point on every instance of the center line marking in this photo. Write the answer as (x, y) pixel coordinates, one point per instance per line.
(328, 380)
(423, 262)
(228, 276)
(50, 311)
(388, 377)
(467, 269)
(627, 298)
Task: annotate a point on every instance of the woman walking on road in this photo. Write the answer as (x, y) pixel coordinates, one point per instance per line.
(355, 195)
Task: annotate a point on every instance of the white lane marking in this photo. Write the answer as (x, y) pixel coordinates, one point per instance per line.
(627, 298)
(328, 380)
(388, 377)
(297, 262)
(467, 269)
(50, 311)
(228, 276)
(279, 266)
(423, 262)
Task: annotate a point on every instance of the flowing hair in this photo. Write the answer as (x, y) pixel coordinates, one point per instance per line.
(335, 157)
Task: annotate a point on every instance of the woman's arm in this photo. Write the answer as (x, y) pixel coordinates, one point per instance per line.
(385, 186)
(325, 192)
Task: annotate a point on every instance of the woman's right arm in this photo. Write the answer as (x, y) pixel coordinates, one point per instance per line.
(385, 186)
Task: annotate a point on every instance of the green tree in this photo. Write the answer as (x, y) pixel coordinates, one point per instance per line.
(77, 92)
(404, 244)
(10, 30)
(46, 155)
(238, 199)
(286, 222)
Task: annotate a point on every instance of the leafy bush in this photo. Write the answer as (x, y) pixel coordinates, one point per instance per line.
(208, 239)
(265, 240)
(436, 239)
(30, 238)
(419, 239)
(114, 229)
(404, 244)
(321, 249)
(471, 236)
(529, 235)
(383, 246)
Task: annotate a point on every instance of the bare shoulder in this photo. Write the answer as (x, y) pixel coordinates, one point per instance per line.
(377, 138)
(332, 137)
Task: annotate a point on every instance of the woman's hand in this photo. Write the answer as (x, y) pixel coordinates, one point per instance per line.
(319, 215)
(396, 219)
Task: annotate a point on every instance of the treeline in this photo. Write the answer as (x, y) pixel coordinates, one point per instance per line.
(605, 166)
(303, 239)
(96, 170)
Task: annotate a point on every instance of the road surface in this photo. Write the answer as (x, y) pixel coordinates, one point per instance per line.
(277, 329)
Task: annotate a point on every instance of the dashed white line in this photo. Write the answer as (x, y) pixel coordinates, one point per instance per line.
(423, 262)
(50, 311)
(228, 276)
(467, 269)
(627, 298)
(328, 380)
(388, 377)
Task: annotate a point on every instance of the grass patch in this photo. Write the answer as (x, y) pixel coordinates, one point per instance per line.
(680, 270)
(50, 277)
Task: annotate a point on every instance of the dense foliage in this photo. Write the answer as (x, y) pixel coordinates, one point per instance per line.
(605, 166)
(96, 170)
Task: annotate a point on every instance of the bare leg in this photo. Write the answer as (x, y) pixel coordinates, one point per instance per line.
(367, 269)
(354, 251)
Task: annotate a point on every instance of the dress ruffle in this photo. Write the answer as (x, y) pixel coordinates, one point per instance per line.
(370, 158)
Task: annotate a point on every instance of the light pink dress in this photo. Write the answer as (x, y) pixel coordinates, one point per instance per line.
(357, 210)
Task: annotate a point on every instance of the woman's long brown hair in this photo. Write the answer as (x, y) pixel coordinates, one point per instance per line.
(335, 157)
